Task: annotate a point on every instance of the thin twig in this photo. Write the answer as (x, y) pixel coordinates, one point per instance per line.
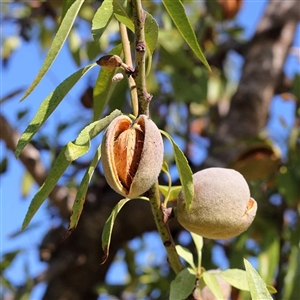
(128, 61)
(139, 17)
(163, 229)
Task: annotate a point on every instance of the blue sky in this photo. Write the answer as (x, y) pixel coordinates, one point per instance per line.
(23, 67)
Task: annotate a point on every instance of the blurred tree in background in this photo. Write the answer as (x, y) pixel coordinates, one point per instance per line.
(215, 120)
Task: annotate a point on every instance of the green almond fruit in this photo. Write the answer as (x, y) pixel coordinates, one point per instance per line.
(222, 207)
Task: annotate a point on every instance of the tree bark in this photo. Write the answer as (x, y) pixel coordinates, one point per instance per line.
(261, 75)
(74, 264)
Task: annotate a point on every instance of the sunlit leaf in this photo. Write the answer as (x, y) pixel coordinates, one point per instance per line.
(292, 278)
(65, 6)
(27, 184)
(104, 86)
(108, 227)
(101, 19)
(183, 285)
(176, 11)
(7, 259)
(184, 170)
(82, 143)
(186, 255)
(48, 106)
(57, 170)
(212, 282)
(70, 152)
(123, 13)
(257, 287)
(174, 191)
(236, 278)
(198, 240)
(58, 41)
(151, 33)
(268, 257)
(82, 190)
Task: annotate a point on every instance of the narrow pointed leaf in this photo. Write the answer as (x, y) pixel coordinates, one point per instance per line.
(186, 255)
(174, 191)
(257, 287)
(212, 282)
(65, 7)
(236, 278)
(104, 86)
(82, 143)
(151, 33)
(48, 106)
(184, 170)
(108, 227)
(57, 170)
(292, 278)
(82, 190)
(198, 241)
(177, 13)
(58, 42)
(183, 284)
(101, 19)
(123, 13)
(268, 257)
(68, 153)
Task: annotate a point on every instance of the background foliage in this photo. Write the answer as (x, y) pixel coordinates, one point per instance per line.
(192, 104)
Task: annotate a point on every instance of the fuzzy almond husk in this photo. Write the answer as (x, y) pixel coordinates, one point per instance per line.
(132, 155)
(222, 207)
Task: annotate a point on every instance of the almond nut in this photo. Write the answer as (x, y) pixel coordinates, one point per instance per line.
(132, 155)
(222, 207)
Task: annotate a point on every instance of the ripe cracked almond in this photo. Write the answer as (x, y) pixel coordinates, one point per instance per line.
(222, 207)
(132, 155)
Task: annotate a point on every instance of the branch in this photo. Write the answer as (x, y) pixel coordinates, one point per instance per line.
(261, 76)
(128, 61)
(139, 17)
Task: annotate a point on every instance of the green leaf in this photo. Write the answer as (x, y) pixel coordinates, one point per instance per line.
(27, 184)
(123, 13)
(104, 86)
(65, 7)
(198, 241)
(151, 33)
(3, 165)
(101, 19)
(236, 278)
(59, 167)
(257, 287)
(108, 227)
(184, 170)
(58, 41)
(7, 259)
(292, 278)
(186, 255)
(48, 106)
(174, 191)
(70, 152)
(177, 13)
(268, 257)
(82, 143)
(212, 282)
(82, 190)
(183, 284)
